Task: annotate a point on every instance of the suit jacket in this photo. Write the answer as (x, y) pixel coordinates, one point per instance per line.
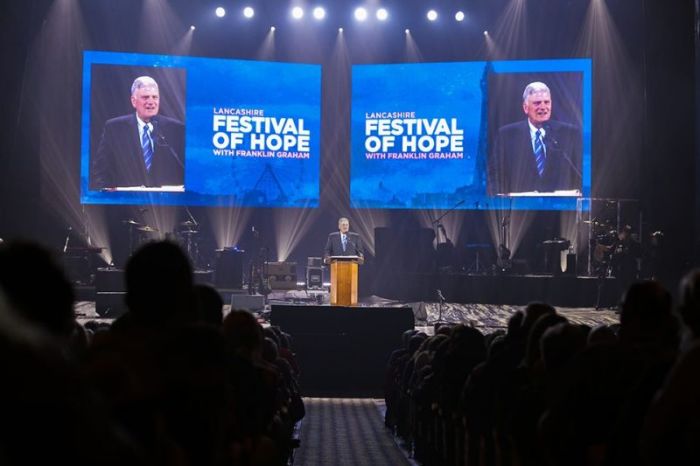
(334, 245)
(512, 166)
(119, 158)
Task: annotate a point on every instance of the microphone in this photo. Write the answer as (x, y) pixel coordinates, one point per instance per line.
(549, 136)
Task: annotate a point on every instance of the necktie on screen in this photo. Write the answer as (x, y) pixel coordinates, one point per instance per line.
(147, 147)
(344, 239)
(539, 152)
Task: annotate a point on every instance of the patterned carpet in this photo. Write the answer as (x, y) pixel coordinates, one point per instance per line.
(488, 318)
(346, 432)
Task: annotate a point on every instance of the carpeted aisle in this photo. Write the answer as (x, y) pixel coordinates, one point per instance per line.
(344, 432)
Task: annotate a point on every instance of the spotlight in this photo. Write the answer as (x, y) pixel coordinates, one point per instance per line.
(407, 31)
(360, 14)
(248, 12)
(382, 14)
(319, 13)
(297, 12)
(272, 29)
(459, 16)
(192, 28)
(432, 15)
(220, 12)
(340, 29)
(486, 33)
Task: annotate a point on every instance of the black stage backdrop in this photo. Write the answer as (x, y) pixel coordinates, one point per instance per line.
(644, 120)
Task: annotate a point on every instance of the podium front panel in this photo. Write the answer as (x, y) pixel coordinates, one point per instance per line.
(344, 283)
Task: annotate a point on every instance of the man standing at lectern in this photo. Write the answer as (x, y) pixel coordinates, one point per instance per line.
(537, 153)
(142, 148)
(343, 243)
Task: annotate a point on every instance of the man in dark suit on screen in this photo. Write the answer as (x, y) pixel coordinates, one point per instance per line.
(343, 243)
(538, 153)
(140, 149)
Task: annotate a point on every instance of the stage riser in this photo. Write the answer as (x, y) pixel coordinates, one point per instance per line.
(514, 290)
(343, 351)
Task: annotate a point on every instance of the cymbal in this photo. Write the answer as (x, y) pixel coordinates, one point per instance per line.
(189, 232)
(147, 229)
(130, 222)
(589, 222)
(188, 223)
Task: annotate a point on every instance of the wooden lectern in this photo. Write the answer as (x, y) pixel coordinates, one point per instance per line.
(344, 280)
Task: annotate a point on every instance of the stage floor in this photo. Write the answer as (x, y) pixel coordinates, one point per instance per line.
(485, 317)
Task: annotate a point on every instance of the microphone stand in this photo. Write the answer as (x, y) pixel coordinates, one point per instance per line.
(162, 142)
(191, 251)
(65, 245)
(437, 220)
(441, 300)
(437, 225)
(555, 148)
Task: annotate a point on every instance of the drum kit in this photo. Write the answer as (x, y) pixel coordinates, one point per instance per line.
(186, 236)
(138, 233)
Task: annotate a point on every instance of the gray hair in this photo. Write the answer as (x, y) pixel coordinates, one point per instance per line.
(343, 218)
(535, 88)
(143, 81)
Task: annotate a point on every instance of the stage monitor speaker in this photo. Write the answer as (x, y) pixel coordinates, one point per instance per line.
(247, 302)
(343, 351)
(229, 269)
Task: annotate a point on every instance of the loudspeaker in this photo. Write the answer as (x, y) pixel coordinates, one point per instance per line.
(229, 269)
(110, 304)
(282, 275)
(343, 351)
(109, 279)
(314, 278)
(570, 264)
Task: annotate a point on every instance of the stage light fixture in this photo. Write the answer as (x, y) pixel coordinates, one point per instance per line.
(272, 28)
(432, 15)
(486, 33)
(407, 31)
(297, 12)
(319, 13)
(248, 12)
(340, 29)
(382, 14)
(360, 14)
(192, 28)
(459, 16)
(220, 12)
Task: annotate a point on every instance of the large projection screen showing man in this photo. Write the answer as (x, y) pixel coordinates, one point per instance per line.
(199, 131)
(471, 135)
